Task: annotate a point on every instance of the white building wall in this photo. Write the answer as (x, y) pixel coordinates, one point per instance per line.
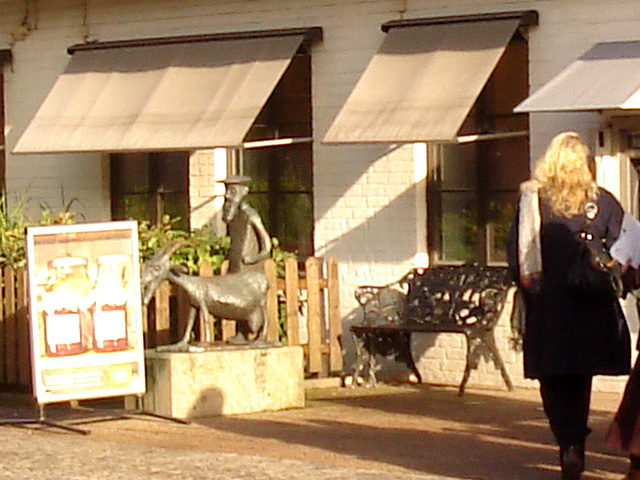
(206, 192)
(39, 57)
(367, 206)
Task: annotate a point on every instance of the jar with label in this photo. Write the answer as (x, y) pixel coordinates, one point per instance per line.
(110, 308)
(65, 307)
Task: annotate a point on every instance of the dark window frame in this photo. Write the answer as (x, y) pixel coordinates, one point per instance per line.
(152, 187)
(287, 116)
(491, 132)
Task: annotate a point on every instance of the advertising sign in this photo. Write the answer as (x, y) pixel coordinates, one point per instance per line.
(86, 314)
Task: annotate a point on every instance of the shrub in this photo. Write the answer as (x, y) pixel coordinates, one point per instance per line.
(205, 245)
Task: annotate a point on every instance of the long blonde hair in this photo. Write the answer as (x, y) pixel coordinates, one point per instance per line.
(566, 175)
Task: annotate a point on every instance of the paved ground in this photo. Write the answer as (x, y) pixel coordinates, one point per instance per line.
(386, 433)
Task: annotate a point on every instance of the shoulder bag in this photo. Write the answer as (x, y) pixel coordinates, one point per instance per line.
(593, 272)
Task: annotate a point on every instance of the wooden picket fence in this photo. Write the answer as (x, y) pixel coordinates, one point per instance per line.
(303, 309)
(15, 356)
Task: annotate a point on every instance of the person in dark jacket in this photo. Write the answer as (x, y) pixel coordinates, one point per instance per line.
(624, 431)
(568, 338)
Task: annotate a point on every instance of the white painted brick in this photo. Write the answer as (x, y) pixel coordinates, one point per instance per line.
(456, 354)
(435, 353)
(372, 230)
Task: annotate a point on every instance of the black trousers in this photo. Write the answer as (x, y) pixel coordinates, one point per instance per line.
(566, 400)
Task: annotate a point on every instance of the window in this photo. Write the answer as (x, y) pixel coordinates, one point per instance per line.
(282, 178)
(473, 184)
(146, 186)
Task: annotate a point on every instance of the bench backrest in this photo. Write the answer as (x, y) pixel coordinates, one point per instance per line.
(456, 296)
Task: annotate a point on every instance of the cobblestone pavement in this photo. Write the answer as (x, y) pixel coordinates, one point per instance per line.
(386, 433)
(33, 455)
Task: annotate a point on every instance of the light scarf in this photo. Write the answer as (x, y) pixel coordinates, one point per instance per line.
(529, 249)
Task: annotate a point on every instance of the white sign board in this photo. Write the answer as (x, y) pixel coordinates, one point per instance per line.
(85, 311)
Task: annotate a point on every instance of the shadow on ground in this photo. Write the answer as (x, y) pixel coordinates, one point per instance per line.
(420, 429)
(429, 430)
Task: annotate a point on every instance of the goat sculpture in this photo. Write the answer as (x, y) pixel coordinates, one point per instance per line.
(236, 296)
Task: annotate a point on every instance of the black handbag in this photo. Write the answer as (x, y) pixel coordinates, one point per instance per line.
(593, 272)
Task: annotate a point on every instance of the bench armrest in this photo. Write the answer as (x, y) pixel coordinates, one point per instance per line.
(381, 304)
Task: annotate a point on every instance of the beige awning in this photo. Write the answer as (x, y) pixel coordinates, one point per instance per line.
(422, 83)
(176, 96)
(606, 77)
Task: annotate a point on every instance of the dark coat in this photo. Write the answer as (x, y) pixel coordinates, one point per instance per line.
(566, 333)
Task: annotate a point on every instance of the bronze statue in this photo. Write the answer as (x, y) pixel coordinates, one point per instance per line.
(250, 242)
(241, 294)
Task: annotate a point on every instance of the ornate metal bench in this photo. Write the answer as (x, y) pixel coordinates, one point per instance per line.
(464, 299)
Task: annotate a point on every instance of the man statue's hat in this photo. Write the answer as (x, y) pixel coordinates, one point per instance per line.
(236, 180)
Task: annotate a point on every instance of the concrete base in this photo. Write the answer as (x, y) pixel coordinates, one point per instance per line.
(224, 381)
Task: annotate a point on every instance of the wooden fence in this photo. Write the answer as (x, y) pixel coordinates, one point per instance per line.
(303, 309)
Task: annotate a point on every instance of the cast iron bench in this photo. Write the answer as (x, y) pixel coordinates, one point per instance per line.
(465, 299)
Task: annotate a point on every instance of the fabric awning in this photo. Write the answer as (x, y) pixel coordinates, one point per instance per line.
(422, 82)
(173, 96)
(605, 77)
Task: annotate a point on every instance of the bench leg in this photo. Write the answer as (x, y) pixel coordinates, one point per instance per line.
(408, 360)
(475, 346)
(365, 365)
(490, 342)
(472, 362)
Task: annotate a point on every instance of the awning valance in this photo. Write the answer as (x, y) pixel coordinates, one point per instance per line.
(423, 81)
(159, 95)
(605, 77)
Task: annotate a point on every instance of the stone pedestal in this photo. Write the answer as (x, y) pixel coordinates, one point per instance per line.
(224, 381)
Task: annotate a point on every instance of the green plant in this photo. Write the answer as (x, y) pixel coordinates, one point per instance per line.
(203, 245)
(151, 237)
(13, 225)
(66, 216)
(279, 256)
(12, 234)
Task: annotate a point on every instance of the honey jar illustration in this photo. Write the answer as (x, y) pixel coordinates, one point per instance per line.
(110, 307)
(65, 303)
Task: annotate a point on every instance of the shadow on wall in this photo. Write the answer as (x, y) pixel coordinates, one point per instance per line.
(368, 202)
(388, 236)
(346, 164)
(209, 402)
(390, 370)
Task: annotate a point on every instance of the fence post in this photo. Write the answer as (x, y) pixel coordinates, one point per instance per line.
(227, 327)
(315, 317)
(10, 319)
(22, 319)
(291, 287)
(162, 317)
(3, 326)
(204, 317)
(335, 323)
(272, 320)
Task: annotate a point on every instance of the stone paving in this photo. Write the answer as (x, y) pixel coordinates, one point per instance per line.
(42, 455)
(387, 433)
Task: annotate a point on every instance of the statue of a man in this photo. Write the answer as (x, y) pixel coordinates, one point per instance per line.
(250, 241)
(250, 245)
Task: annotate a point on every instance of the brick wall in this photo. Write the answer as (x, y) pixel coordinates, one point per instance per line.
(369, 212)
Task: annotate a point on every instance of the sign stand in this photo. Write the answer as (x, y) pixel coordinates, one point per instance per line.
(113, 414)
(139, 411)
(86, 318)
(42, 420)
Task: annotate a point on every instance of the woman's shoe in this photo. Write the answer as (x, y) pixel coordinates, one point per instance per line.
(572, 462)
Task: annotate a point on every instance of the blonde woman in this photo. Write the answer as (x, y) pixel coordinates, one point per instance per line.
(568, 337)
